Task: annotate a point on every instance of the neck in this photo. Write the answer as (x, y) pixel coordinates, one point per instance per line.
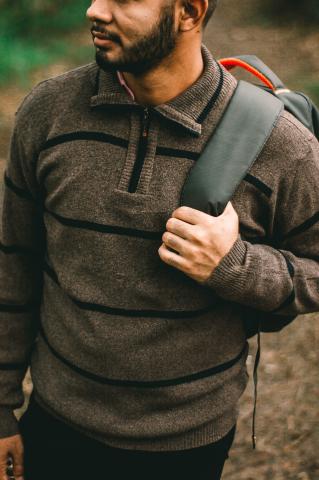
(169, 79)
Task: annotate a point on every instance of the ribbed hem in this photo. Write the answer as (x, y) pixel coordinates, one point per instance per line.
(227, 275)
(209, 433)
(8, 423)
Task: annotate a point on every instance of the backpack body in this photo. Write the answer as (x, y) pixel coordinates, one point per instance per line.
(239, 137)
(296, 103)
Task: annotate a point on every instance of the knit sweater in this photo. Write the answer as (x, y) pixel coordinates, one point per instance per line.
(123, 347)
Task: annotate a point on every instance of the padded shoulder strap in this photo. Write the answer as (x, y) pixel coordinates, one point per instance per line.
(236, 143)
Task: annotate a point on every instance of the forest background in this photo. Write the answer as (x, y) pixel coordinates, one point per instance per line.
(43, 38)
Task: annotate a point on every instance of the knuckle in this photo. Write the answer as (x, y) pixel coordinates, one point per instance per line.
(196, 257)
(195, 252)
(192, 236)
(170, 222)
(162, 251)
(201, 236)
(165, 237)
(178, 210)
(188, 268)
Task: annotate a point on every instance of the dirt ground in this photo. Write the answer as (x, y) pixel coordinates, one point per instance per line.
(288, 392)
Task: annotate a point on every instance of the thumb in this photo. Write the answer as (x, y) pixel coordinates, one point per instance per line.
(229, 210)
(229, 207)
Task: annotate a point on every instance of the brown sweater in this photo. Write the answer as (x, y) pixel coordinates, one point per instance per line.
(123, 347)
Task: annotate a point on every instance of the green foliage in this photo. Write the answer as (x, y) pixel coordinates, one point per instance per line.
(33, 33)
(313, 89)
(33, 17)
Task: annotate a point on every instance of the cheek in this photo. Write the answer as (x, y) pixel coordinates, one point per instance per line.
(135, 25)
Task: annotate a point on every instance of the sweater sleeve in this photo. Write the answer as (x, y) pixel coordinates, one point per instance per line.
(282, 277)
(21, 253)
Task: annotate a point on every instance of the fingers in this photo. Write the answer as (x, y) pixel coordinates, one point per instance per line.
(190, 215)
(11, 458)
(173, 259)
(180, 228)
(197, 217)
(9, 468)
(17, 454)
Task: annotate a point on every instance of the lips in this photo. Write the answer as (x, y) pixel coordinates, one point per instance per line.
(100, 35)
(100, 42)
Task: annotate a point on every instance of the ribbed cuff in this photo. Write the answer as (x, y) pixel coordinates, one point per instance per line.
(8, 423)
(228, 271)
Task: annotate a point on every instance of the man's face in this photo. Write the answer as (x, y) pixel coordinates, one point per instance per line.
(135, 35)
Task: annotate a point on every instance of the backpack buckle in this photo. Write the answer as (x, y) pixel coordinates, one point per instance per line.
(278, 91)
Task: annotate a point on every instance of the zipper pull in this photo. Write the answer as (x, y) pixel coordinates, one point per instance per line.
(145, 122)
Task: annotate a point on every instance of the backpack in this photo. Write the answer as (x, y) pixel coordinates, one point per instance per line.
(236, 143)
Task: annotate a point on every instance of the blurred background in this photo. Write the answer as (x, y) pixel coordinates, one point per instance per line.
(43, 38)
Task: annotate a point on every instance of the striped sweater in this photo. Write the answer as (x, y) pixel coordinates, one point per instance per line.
(123, 347)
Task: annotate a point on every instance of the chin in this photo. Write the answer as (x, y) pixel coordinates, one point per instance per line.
(102, 58)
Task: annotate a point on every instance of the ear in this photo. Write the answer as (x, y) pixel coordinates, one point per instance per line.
(192, 14)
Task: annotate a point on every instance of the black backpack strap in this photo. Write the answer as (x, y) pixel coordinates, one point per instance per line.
(237, 141)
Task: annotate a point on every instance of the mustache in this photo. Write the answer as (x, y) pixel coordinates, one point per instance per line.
(105, 33)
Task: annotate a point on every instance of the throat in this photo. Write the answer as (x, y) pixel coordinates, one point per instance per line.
(162, 85)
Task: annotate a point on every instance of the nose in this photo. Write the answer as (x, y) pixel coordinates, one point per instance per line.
(99, 11)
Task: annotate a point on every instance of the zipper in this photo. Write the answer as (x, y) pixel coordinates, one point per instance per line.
(141, 151)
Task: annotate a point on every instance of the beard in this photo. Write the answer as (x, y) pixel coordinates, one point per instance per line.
(148, 51)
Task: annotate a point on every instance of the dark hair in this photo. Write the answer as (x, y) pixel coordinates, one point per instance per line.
(212, 4)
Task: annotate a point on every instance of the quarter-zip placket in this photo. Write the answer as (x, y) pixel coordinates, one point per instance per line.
(141, 151)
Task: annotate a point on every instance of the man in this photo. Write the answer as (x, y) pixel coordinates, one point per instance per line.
(128, 306)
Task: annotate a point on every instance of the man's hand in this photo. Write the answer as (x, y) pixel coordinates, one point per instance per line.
(200, 240)
(11, 447)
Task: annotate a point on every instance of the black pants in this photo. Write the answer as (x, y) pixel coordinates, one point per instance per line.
(54, 451)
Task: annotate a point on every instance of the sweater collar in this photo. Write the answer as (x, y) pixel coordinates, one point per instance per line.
(188, 109)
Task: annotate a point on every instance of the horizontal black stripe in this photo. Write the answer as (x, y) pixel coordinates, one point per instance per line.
(9, 308)
(145, 384)
(173, 152)
(16, 249)
(303, 227)
(287, 302)
(141, 313)
(258, 184)
(128, 312)
(98, 227)
(12, 366)
(214, 98)
(17, 190)
(92, 136)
